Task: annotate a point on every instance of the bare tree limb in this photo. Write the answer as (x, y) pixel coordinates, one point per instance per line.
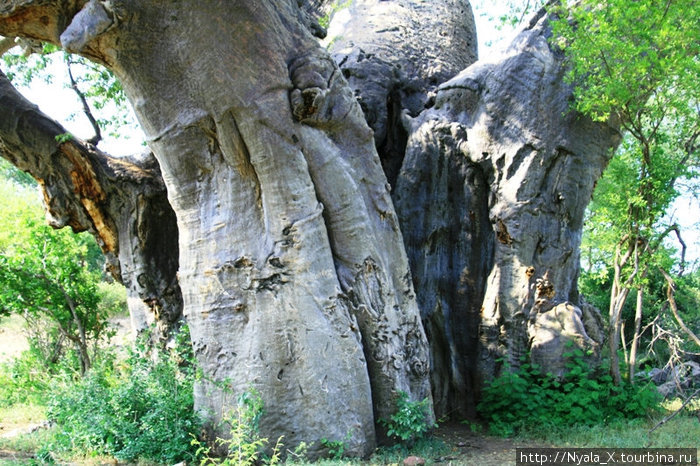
(86, 106)
(674, 308)
(683, 249)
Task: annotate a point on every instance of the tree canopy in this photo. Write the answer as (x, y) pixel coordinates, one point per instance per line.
(636, 63)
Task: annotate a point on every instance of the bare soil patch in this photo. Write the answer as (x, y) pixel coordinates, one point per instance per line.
(469, 448)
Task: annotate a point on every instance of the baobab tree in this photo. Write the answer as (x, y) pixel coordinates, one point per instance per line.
(291, 267)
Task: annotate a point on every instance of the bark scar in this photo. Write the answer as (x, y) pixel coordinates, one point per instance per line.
(502, 233)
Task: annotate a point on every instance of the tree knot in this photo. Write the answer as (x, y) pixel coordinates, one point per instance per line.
(319, 96)
(544, 287)
(502, 233)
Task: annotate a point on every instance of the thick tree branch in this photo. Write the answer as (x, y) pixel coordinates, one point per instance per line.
(121, 201)
(6, 44)
(37, 19)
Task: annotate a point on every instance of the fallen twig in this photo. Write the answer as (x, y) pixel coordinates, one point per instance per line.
(673, 414)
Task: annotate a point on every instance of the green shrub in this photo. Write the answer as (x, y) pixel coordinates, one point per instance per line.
(584, 396)
(23, 380)
(410, 422)
(244, 445)
(335, 449)
(112, 299)
(143, 409)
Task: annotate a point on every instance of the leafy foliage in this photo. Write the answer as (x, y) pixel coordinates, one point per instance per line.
(612, 44)
(9, 172)
(527, 397)
(99, 86)
(410, 422)
(335, 448)
(26, 66)
(112, 299)
(635, 64)
(142, 409)
(49, 274)
(23, 380)
(104, 93)
(335, 7)
(511, 13)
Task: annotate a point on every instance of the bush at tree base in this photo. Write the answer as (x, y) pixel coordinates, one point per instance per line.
(584, 396)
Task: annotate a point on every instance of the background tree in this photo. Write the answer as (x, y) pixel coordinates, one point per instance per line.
(49, 275)
(638, 64)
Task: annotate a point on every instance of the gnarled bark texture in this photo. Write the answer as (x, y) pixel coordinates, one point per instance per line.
(121, 201)
(491, 198)
(395, 55)
(294, 277)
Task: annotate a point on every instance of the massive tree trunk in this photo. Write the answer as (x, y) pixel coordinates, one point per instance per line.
(394, 55)
(122, 202)
(497, 174)
(491, 199)
(294, 276)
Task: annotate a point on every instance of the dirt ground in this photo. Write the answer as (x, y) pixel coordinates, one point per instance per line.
(468, 448)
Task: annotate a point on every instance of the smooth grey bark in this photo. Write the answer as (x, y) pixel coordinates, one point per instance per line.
(294, 276)
(502, 154)
(122, 202)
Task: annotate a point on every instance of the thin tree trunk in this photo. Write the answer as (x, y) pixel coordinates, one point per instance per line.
(623, 340)
(615, 335)
(637, 329)
(618, 297)
(81, 340)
